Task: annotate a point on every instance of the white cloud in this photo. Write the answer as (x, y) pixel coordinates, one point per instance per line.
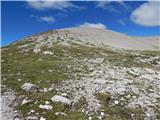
(93, 25)
(112, 9)
(106, 5)
(148, 14)
(48, 19)
(121, 22)
(44, 5)
(102, 4)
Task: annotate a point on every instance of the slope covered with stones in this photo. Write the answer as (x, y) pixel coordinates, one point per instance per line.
(57, 76)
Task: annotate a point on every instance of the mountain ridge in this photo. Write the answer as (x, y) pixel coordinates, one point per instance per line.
(102, 37)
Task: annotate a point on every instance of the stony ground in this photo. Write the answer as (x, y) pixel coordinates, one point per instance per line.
(48, 78)
(8, 112)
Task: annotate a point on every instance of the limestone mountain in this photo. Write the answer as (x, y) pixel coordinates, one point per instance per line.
(81, 74)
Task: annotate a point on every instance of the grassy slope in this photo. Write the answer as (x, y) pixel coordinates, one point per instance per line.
(29, 68)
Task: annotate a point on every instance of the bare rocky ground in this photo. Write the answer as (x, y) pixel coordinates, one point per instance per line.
(7, 110)
(56, 75)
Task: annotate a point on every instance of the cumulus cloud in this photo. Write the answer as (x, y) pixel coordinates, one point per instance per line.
(44, 5)
(93, 25)
(148, 14)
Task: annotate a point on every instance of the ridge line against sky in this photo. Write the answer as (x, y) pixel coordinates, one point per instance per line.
(138, 18)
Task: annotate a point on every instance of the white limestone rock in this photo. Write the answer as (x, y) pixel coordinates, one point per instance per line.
(32, 118)
(46, 107)
(61, 99)
(64, 94)
(60, 113)
(25, 101)
(28, 87)
(42, 118)
(36, 50)
(48, 53)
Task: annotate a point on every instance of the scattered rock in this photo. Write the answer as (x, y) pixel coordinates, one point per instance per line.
(32, 111)
(32, 118)
(116, 102)
(50, 89)
(42, 118)
(102, 114)
(61, 99)
(48, 53)
(45, 90)
(17, 118)
(64, 94)
(60, 113)
(40, 59)
(47, 102)
(99, 117)
(46, 107)
(25, 101)
(128, 96)
(19, 80)
(134, 97)
(134, 72)
(50, 70)
(36, 50)
(28, 87)
(89, 118)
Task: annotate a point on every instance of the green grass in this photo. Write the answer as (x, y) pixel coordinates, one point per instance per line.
(35, 71)
(119, 113)
(104, 98)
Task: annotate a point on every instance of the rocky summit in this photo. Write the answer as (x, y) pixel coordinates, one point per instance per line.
(81, 74)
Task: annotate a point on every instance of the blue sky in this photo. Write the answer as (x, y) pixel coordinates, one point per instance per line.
(21, 19)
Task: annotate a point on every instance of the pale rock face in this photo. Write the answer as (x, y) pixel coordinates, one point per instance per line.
(29, 87)
(46, 107)
(61, 99)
